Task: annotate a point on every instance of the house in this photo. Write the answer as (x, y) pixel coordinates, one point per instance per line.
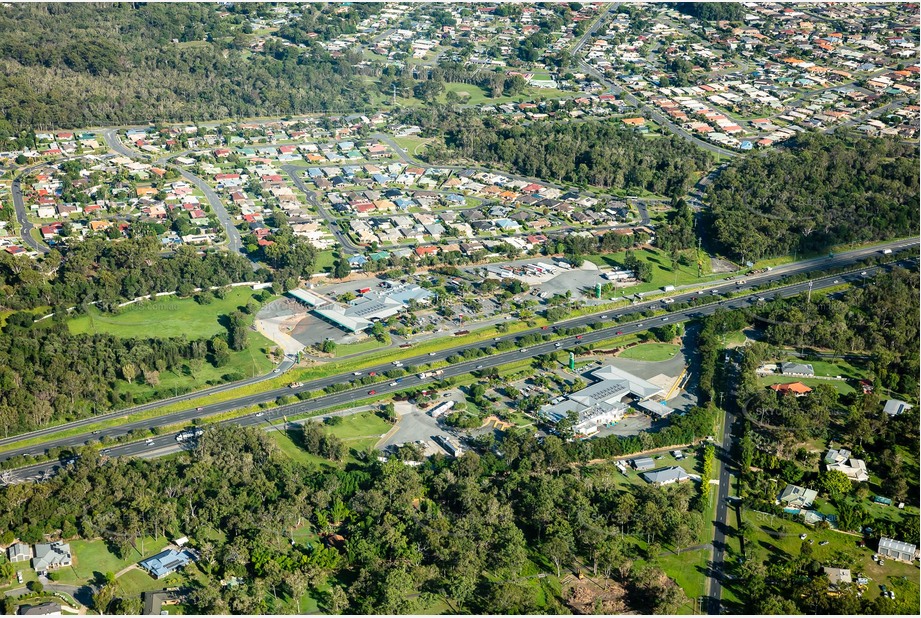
(357, 261)
(666, 476)
(19, 552)
(841, 460)
(894, 407)
(797, 388)
(51, 556)
(643, 463)
(837, 576)
(795, 496)
(167, 562)
(797, 369)
(42, 609)
(897, 550)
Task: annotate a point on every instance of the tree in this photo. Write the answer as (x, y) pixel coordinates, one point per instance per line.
(341, 268)
(835, 483)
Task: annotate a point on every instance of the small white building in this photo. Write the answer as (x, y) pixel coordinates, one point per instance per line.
(897, 550)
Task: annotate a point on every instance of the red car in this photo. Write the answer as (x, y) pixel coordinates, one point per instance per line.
(372, 373)
(544, 327)
(578, 337)
(372, 392)
(620, 332)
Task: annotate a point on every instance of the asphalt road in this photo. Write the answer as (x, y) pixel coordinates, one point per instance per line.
(660, 118)
(234, 240)
(282, 367)
(23, 216)
(296, 174)
(463, 368)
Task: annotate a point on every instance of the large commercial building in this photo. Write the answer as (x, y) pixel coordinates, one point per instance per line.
(604, 402)
(359, 314)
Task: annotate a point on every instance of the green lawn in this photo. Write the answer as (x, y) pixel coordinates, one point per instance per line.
(164, 317)
(296, 453)
(92, 557)
(361, 425)
(687, 569)
(836, 368)
(137, 581)
(661, 264)
(325, 260)
(767, 547)
(650, 352)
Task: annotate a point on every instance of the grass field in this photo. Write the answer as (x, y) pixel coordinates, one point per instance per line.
(841, 386)
(661, 264)
(835, 368)
(91, 557)
(358, 426)
(768, 547)
(652, 352)
(137, 581)
(164, 317)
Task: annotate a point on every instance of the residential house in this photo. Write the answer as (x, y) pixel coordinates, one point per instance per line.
(666, 476)
(51, 556)
(42, 609)
(167, 562)
(841, 460)
(796, 388)
(837, 576)
(894, 407)
(798, 497)
(797, 369)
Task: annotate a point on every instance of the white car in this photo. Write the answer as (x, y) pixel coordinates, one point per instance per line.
(665, 319)
(149, 442)
(258, 414)
(393, 384)
(275, 370)
(432, 353)
(604, 317)
(559, 345)
(357, 373)
(397, 364)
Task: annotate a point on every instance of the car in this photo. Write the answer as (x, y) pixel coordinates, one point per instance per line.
(863, 274)
(823, 543)
(640, 325)
(620, 332)
(372, 392)
(559, 345)
(393, 383)
(104, 451)
(604, 317)
(275, 370)
(802, 537)
(479, 366)
(199, 408)
(446, 395)
(149, 442)
(357, 373)
(665, 319)
(397, 364)
(432, 353)
(523, 350)
(578, 337)
(836, 281)
(96, 432)
(373, 373)
(497, 338)
(258, 414)
(700, 291)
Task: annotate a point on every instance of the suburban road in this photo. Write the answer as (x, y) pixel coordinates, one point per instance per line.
(362, 392)
(296, 174)
(22, 215)
(234, 240)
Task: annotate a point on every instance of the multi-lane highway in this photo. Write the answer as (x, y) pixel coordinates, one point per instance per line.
(363, 392)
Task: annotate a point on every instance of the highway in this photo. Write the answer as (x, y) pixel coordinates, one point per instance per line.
(386, 388)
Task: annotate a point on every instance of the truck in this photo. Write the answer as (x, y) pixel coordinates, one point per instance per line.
(295, 385)
(189, 434)
(364, 290)
(431, 374)
(668, 288)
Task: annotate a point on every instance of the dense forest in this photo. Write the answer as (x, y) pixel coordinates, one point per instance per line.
(97, 270)
(391, 538)
(823, 190)
(712, 11)
(601, 154)
(78, 65)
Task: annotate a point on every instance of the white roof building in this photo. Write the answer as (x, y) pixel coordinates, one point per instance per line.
(603, 402)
